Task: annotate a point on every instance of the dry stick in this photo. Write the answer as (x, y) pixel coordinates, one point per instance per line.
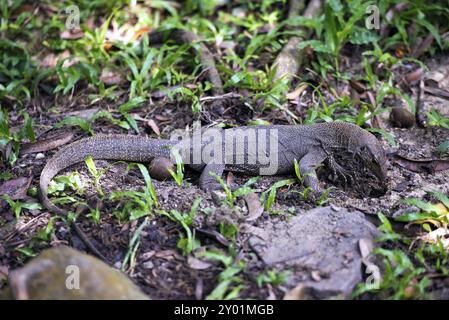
(424, 45)
(420, 118)
(229, 95)
(206, 57)
(289, 60)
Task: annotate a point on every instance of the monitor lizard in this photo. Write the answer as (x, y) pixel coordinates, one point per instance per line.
(352, 155)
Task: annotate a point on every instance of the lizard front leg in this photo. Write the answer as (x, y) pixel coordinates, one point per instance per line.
(209, 182)
(307, 168)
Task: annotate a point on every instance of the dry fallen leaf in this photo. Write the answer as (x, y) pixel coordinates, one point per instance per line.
(111, 78)
(423, 46)
(255, 208)
(358, 86)
(72, 34)
(47, 144)
(199, 288)
(315, 275)
(433, 78)
(148, 122)
(153, 126)
(70, 62)
(214, 234)
(197, 264)
(139, 33)
(271, 294)
(23, 8)
(297, 293)
(297, 92)
(424, 165)
(414, 76)
(16, 188)
(440, 234)
(166, 254)
(161, 117)
(229, 179)
(51, 59)
(402, 50)
(371, 98)
(366, 246)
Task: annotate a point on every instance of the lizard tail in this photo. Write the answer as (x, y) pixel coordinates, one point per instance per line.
(107, 147)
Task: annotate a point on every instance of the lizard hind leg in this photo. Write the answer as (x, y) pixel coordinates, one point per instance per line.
(209, 182)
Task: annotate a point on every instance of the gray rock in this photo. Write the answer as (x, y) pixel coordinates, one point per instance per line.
(322, 243)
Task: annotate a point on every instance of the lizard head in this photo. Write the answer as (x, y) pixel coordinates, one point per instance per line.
(370, 157)
(356, 156)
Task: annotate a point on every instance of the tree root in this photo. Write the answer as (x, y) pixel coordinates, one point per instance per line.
(289, 60)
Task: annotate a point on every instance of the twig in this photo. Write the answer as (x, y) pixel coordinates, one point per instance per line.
(295, 8)
(206, 57)
(420, 118)
(230, 95)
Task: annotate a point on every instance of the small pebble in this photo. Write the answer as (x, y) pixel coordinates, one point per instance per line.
(148, 265)
(402, 118)
(158, 168)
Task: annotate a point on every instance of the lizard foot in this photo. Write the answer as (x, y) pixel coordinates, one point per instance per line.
(342, 174)
(315, 195)
(210, 186)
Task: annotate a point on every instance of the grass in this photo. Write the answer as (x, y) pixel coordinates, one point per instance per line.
(69, 182)
(134, 243)
(133, 205)
(233, 195)
(411, 263)
(230, 279)
(178, 176)
(11, 140)
(272, 277)
(148, 68)
(187, 242)
(18, 206)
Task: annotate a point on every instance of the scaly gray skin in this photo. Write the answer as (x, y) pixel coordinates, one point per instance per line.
(349, 151)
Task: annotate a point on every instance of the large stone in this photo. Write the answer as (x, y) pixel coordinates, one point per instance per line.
(66, 274)
(322, 243)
